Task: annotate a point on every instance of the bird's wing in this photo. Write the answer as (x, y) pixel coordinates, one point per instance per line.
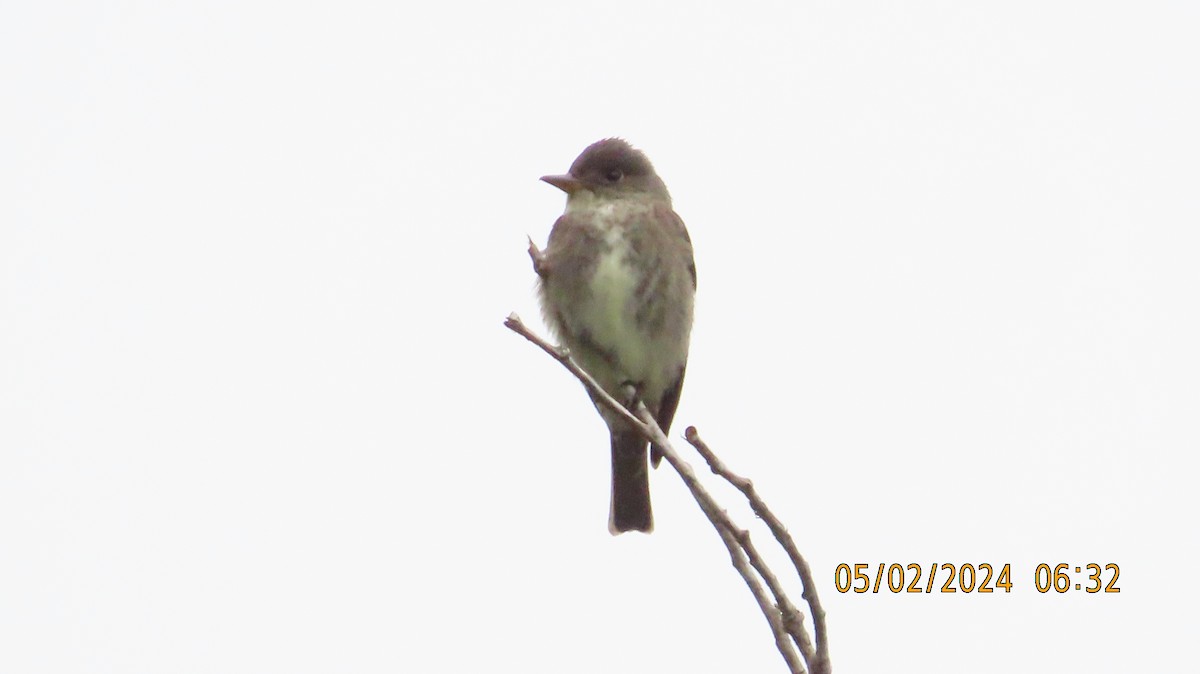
(666, 411)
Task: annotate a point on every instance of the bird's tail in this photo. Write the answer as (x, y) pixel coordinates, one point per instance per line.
(630, 506)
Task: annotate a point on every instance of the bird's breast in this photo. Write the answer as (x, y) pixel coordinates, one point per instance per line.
(613, 290)
(611, 311)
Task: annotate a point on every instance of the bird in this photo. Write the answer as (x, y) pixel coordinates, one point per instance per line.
(617, 286)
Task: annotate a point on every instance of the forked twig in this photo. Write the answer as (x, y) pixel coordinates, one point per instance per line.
(784, 619)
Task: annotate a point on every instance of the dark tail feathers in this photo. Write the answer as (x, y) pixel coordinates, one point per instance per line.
(630, 506)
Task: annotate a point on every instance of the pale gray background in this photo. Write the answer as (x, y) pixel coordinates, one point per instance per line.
(258, 412)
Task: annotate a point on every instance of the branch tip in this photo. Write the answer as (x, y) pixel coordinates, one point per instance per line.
(785, 621)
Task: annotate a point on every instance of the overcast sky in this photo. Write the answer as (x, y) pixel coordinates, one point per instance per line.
(258, 411)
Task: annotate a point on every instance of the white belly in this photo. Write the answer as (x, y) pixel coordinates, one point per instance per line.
(610, 315)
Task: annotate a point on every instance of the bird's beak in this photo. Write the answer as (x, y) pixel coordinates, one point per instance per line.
(566, 182)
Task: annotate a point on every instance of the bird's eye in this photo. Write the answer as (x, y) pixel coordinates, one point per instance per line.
(614, 175)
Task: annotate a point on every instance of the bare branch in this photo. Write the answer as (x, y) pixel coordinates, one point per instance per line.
(782, 616)
(737, 540)
(539, 260)
(785, 620)
(821, 664)
(563, 355)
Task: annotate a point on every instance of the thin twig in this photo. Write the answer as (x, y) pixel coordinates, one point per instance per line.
(539, 260)
(821, 663)
(785, 621)
(563, 355)
(737, 541)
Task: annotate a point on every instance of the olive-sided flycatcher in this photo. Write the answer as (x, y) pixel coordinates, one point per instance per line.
(617, 288)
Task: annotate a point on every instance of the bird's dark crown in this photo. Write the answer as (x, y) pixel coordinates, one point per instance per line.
(613, 163)
(611, 153)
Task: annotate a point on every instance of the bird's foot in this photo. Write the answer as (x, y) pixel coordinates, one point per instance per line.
(630, 394)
